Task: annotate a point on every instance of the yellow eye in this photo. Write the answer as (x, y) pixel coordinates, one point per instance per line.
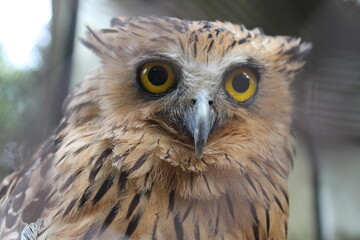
(156, 77)
(241, 84)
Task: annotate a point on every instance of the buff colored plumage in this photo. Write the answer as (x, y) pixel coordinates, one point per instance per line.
(122, 164)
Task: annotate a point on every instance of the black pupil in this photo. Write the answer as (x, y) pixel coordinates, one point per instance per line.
(241, 82)
(157, 75)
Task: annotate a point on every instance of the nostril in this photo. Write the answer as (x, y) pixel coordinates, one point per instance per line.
(211, 102)
(193, 101)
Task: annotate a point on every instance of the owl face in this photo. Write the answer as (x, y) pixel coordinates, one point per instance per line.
(197, 87)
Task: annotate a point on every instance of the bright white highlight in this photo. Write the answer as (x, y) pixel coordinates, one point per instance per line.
(22, 25)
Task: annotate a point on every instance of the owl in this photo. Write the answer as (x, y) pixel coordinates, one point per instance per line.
(183, 132)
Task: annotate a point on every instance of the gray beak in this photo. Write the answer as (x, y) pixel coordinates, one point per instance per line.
(199, 120)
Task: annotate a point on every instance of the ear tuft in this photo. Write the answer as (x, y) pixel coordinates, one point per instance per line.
(299, 51)
(118, 22)
(93, 40)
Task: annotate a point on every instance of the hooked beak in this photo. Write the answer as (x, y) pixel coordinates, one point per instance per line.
(199, 120)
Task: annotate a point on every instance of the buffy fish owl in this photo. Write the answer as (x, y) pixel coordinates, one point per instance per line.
(183, 132)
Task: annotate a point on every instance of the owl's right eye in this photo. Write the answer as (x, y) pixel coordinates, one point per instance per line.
(156, 77)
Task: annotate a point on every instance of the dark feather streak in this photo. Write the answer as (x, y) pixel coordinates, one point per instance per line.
(187, 211)
(230, 206)
(250, 182)
(132, 225)
(178, 28)
(3, 190)
(211, 45)
(285, 195)
(257, 164)
(82, 148)
(279, 204)
(85, 197)
(155, 228)
(195, 48)
(216, 230)
(231, 46)
(264, 192)
(181, 45)
(70, 180)
(97, 38)
(171, 201)
(256, 231)
(117, 22)
(139, 163)
(197, 231)
(110, 218)
(89, 46)
(103, 189)
(218, 31)
(137, 26)
(267, 221)
(206, 183)
(122, 180)
(178, 228)
(134, 202)
(227, 158)
(270, 181)
(253, 212)
(99, 162)
(69, 208)
(109, 30)
(276, 170)
(241, 41)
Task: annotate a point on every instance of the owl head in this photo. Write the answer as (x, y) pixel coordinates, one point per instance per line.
(201, 96)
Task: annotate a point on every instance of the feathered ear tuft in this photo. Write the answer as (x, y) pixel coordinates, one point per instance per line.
(118, 22)
(304, 49)
(296, 51)
(95, 43)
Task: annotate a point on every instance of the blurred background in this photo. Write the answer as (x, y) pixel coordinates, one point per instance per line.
(41, 59)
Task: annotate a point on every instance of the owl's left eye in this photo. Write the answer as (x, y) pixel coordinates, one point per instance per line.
(156, 77)
(241, 84)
